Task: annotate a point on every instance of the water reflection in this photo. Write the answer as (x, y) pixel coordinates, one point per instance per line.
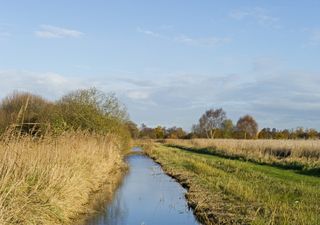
(136, 149)
(147, 196)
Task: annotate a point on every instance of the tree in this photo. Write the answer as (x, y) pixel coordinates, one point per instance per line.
(211, 120)
(147, 132)
(196, 132)
(300, 133)
(133, 129)
(93, 110)
(105, 104)
(160, 132)
(248, 126)
(265, 133)
(27, 112)
(227, 128)
(175, 133)
(312, 133)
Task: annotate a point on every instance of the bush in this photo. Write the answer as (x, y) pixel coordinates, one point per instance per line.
(26, 112)
(86, 109)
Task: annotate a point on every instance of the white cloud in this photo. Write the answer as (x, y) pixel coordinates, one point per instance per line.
(51, 85)
(209, 42)
(257, 14)
(149, 32)
(184, 39)
(48, 31)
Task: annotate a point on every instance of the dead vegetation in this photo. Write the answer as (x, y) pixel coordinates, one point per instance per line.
(50, 181)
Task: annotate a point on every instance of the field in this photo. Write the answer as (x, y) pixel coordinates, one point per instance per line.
(230, 190)
(50, 181)
(303, 155)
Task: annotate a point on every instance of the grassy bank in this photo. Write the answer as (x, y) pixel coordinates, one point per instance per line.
(301, 155)
(226, 191)
(50, 181)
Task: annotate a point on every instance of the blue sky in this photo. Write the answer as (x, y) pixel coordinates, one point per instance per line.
(169, 61)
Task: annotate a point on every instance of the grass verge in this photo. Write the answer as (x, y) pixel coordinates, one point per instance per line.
(226, 191)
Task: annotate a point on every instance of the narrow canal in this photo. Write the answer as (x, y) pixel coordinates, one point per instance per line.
(147, 196)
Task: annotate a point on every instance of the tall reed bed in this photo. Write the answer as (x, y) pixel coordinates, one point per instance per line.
(301, 154)
(49, 181)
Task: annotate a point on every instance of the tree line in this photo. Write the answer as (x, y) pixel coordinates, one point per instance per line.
(85, 109)
(214, 123)
(95, 111)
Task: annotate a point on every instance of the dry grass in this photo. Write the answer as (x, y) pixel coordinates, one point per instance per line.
(50, 181)
(298, 154)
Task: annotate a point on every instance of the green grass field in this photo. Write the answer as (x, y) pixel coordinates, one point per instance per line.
(227, 191)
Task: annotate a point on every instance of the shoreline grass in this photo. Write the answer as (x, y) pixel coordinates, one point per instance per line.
(51, 181)
(224, 191)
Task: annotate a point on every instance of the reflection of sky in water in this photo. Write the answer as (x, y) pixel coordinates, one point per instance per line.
(136, 149)
(147, 196)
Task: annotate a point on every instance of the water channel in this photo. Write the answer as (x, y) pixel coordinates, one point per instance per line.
(147, 196)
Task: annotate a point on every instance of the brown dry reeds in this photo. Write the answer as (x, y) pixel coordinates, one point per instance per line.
(49, 181)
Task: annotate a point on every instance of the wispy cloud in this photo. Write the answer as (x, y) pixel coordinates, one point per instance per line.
(138, 94)
(207, 41)
(149, 32)
(48, 31)
(257, 14)
(187, 40)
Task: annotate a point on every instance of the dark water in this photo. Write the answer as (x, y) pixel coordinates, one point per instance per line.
(146, 197)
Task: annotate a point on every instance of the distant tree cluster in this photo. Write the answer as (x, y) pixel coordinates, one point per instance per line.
(160, 132)
(214, 123)
(299, 133)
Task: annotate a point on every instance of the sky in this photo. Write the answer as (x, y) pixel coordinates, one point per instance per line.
(168, 61)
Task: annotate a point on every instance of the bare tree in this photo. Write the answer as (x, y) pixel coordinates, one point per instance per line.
(248, 126)
(212, 120)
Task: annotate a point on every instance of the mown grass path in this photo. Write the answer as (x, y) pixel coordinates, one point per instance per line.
(226, 191)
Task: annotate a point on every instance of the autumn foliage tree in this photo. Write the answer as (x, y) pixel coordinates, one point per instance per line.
(247, 126)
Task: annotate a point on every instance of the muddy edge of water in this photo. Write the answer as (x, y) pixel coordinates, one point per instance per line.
(199, 214)
(102, 196)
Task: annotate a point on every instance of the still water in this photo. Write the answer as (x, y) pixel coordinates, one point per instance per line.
(147, 196)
